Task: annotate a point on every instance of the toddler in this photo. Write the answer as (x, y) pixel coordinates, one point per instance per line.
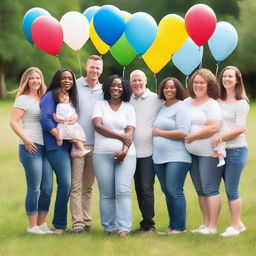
(64, 112)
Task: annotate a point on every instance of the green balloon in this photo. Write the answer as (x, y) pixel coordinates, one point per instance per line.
(122, 51)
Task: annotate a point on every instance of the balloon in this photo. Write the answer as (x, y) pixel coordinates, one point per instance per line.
(223, 41)
(101, 47)
(156, 57)
(75, 28)
(122, 51)
(90, 12)
(141, 31)
(172, 32)
(109, 24)
(126, 15)
(47, 34)
(29, 18)
(188, 57)
(200, 21)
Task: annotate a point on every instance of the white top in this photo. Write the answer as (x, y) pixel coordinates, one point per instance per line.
(30, 120)
(200, 114)
(235, 115)
(64, 111)
(116, 121)
(146, 108)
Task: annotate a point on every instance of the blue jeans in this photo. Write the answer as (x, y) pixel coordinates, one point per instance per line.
(235, 161)
(115, 181)
(39, 180)
(144, 179)
(172, 176)
(60, 162)
(205, 175)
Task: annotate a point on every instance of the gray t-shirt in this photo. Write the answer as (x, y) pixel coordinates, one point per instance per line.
(30, 120)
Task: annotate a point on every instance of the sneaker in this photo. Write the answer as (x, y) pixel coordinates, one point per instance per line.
(202, 226)
(76, 230)
(36, 230)
(207, 231)
(230, 231)
(171, 232)
(44, 227)
(145, 230)
(123, 234)
(221, 163)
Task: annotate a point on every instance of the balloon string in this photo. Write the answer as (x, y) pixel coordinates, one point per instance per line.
(79, 62)
(123, 71)
(155, 81)
(201, 63)
(217, 69)
(186, 82)
(58, 62)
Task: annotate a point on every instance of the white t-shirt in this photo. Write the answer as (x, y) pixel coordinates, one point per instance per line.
(116, 121)
(200, 114)
(64, 111)
(30, 120)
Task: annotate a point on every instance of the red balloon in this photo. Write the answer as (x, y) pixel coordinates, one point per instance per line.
(47, 34)
(200, 21)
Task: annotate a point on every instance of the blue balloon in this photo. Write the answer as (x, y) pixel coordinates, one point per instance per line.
(188, 57)
(29, 18)
(141, 31)
(223, 41)
(90, 12)
(109, 24)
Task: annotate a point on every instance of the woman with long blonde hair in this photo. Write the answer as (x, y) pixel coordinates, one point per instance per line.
(31, 149)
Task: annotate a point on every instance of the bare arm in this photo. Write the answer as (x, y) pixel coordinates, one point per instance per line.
(212, 126)
(101, 129)
(169, 134)
(16, 115)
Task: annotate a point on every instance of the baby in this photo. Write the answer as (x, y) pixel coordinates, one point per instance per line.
(64, 112)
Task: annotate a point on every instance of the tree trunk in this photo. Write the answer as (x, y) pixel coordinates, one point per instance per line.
(2, 80)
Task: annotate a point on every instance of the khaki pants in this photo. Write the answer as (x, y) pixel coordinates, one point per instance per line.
(82, 180)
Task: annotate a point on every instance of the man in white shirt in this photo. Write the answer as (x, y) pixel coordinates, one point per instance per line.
(146, 105)
(89, 91)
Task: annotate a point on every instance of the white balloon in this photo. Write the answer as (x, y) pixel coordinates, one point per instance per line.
(75, 29)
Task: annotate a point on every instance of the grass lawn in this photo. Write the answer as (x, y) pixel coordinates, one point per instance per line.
(15, 241)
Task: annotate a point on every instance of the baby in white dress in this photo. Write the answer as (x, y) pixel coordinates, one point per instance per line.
(64, 112)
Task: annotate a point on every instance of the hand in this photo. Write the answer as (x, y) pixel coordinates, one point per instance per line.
(126, 140)
(188, 139)
(56, 119)
(215, 140)
(30, 146)
(119, 156)
(155, 132)
(72, 119)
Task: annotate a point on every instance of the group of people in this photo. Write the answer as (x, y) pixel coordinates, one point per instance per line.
(119, 131)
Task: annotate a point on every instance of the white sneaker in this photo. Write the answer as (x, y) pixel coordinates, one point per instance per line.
(202, 226)
(207, 231)
(230, 231)
(36, 230)
(44, 227)
(221, 163)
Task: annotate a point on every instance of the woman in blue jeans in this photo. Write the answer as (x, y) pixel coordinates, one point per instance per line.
(114, 156)
(171, 159)
(234, 107)
(58, 156)
(31, 149)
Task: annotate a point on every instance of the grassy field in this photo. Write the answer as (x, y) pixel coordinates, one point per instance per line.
(15, 241)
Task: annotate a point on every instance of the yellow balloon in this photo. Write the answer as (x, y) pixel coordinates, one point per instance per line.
(172, 32)
(156, 57)
(101, 46)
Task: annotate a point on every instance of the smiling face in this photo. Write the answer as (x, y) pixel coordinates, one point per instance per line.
(34, 81)
(200, 86)
(169, 90)
(94, 69)
(116, 89)
(64, 98)
(138, 83)
(66, 80)
(229, 79)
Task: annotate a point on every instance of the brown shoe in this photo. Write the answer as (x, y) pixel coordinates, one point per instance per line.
(75, 230)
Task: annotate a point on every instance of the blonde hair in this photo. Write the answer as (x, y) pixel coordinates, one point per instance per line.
(23, 87)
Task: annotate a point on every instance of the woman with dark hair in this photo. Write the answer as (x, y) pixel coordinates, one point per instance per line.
(234, 108)
(58, 156)
(171, 159)
(205, 122)
(114, 156)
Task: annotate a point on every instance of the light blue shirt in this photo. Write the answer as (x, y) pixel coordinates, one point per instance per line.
(175, 117)
(87, 98)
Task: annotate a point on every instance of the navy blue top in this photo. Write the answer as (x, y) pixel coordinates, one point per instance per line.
(47, 108)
